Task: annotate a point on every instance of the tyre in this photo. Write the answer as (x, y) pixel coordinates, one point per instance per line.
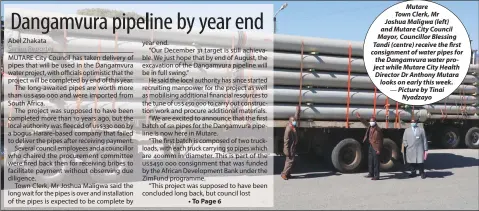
(450, 138)
(389, 155)
(347, 155)
(472, 138)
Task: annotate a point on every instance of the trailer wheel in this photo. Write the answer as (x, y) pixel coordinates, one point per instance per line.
(389, 155)
(347, 155)
(472, 138)
(450, 138)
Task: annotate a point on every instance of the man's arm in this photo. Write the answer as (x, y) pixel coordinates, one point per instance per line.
(286, 140)
(365, 122)
(380, 139)
(424, 139)
(296, 114)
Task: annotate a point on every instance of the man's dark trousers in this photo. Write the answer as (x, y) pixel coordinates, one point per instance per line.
(373, 163)
(417, 166)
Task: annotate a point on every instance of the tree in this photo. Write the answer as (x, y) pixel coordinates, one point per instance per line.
(100, 12)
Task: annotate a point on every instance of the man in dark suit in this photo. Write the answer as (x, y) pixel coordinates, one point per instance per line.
(375, 136)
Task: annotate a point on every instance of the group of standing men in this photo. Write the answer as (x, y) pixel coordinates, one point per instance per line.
(414, 148)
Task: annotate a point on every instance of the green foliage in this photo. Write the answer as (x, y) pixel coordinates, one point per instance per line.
(100, 12)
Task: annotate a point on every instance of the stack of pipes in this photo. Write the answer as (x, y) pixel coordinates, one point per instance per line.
(325, 75)
(326, 80)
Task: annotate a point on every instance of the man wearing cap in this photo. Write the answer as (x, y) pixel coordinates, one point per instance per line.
(375, 136)
(415, 144)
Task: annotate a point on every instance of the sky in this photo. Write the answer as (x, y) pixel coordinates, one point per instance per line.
(346, 20)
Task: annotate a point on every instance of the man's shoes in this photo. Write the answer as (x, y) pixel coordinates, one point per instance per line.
(374, 178)
(289, 176)
(284, 177)
(368, 176)
(423, 175)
